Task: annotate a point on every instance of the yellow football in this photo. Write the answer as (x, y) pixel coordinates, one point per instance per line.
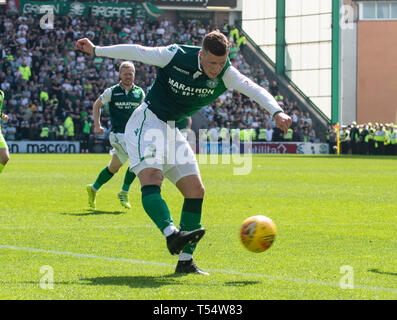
(257, 233)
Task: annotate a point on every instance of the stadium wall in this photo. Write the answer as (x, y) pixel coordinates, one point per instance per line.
(308, 43)
(377, 69)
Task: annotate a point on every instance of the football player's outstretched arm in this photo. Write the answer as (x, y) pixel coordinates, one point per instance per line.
(157, 56)
(103, 99)
(235, 80)
(96, 111)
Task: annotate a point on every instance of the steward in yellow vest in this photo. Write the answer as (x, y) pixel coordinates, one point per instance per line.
(393, 140)
(345, 140)
(380, 138)
(234, 34)
(262, 134)
(288, 135)
(69, 127)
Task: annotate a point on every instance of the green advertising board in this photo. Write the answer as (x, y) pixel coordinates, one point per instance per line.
(108, 10)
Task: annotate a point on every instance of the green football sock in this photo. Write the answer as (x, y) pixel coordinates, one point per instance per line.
(155, 206)
(191, 219)
(1, 167)
(128, 180)
(102, 178)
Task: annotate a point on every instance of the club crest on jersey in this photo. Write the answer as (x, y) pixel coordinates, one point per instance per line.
(212, 83)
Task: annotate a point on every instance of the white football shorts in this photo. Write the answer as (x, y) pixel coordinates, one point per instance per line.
(119, 148)
(153, 143)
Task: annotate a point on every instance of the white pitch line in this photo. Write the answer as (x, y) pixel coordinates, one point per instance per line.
(74, 227)
(297, 280)
(89, 256)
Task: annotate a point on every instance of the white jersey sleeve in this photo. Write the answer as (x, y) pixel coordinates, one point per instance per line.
(157, 56)
(106, 96)
(235, 80)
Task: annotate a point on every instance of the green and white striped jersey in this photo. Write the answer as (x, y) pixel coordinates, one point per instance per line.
(181, 87)
(121, 104)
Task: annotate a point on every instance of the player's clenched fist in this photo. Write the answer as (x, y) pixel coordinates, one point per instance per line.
(85, 45)
(99, 130)
(283, 121)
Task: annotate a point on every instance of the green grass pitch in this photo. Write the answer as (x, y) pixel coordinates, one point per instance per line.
(331, 212)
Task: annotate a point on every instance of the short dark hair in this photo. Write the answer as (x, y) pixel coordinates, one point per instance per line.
(216, 43)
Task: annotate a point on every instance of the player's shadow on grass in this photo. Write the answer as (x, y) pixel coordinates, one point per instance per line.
(132, 282)
(90, 212)
(382, 272)
(241, 283)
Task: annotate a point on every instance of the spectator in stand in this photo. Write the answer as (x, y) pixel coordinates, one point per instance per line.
(242, 41)
(295, 118)
(364, 139)
(86, 135)
(345, 140)
(296, 137)
(274, 88)
(279, 97)
(311, 134)
(264, 83)
(308, 121)
(10, 131)
(234, 33)
(354, 138)
(269, 132)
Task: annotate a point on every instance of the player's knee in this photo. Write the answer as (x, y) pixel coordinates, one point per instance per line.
(4, 159)
(196, 191)
(200, 191)
(113, 169)
(114, 165)
(151, 176)
(191, 186)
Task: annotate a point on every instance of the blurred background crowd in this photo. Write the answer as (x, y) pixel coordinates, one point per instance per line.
(50, 87)
(367, 139)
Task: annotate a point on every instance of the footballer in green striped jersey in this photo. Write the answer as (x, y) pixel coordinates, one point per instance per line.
(188, 78)
(122, 99)
(4, 154)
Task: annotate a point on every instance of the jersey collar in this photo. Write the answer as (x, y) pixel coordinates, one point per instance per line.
(125, 90)
(199, 71)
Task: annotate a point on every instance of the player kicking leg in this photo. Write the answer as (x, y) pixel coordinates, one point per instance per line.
(151, 162)
(188, 79)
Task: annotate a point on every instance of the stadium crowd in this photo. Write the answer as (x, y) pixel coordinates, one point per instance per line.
(50, 87)
(366, 139)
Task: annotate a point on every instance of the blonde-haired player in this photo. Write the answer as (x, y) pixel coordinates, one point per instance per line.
(122, 98)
